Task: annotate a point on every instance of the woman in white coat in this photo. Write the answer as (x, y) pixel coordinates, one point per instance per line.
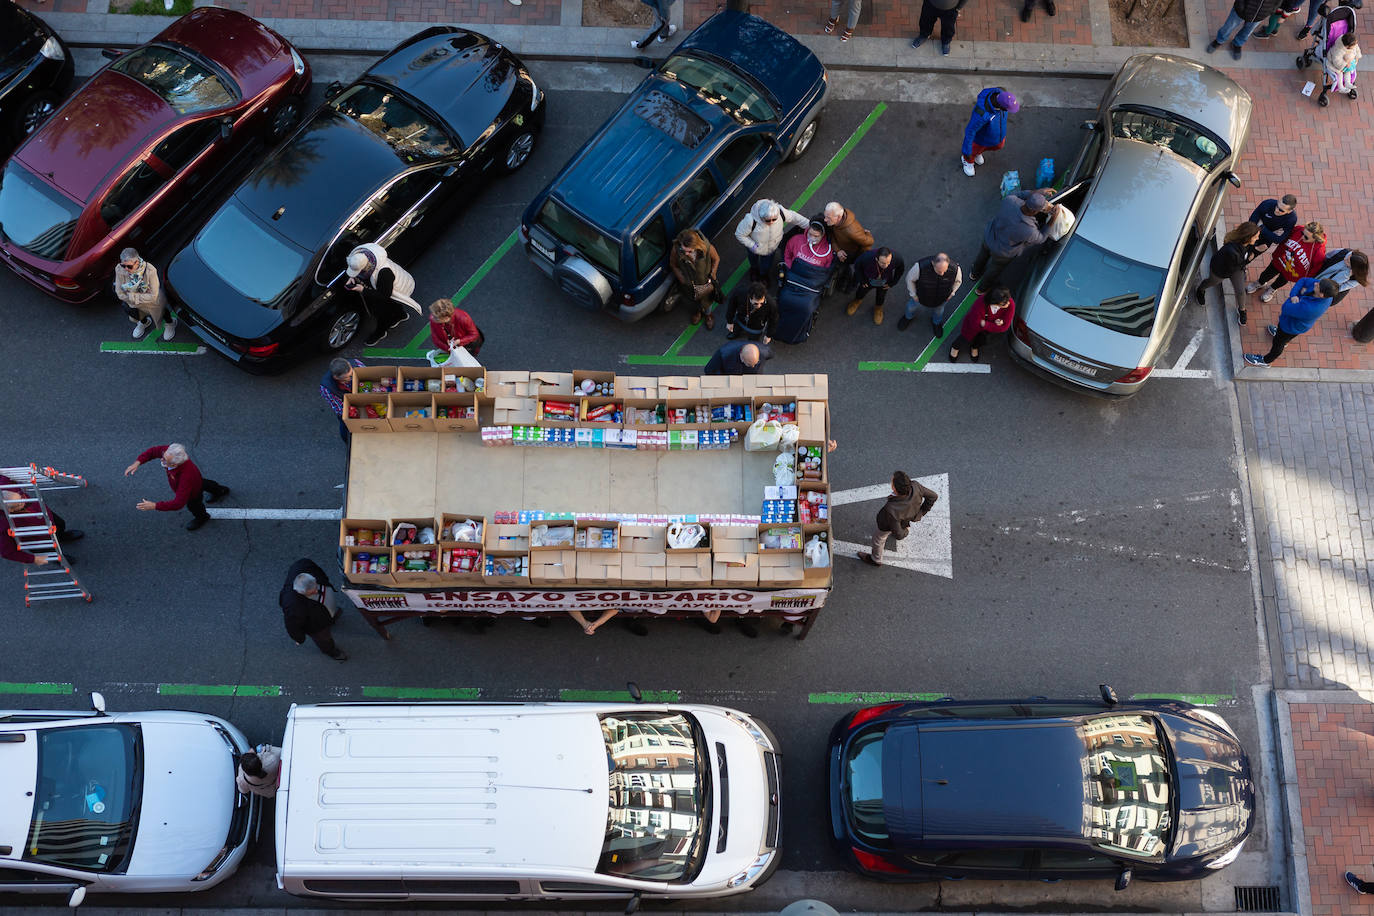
(385, 286)
(761, 232)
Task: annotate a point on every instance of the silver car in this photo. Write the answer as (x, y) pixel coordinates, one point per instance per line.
(1097, 308)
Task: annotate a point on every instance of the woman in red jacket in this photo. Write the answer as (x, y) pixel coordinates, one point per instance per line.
(449, 325)
(991, 314)
(1300, 255)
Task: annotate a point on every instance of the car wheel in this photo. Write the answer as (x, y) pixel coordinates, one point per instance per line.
(287, 117)
(518, 152)
(803, 141)
(342, 329)
(36, 109)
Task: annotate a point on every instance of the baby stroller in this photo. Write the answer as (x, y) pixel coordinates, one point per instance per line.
(1335, 21)
(800, 290)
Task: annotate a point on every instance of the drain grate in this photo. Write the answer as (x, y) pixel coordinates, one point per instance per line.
(1257, 899)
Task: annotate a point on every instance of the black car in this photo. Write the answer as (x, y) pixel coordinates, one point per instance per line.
(385, 160)
(1039, 789)
(35, 72)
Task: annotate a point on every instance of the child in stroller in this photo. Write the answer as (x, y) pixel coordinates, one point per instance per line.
(1338, 69)
(808, 267)
(1335, 23)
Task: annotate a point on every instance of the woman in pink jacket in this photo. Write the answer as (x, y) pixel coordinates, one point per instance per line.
(812, 246)
(991, 314)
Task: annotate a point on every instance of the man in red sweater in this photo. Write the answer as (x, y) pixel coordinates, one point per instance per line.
(9, 549)
(189, 488)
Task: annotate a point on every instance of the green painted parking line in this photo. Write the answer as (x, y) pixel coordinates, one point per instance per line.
(670, 358)
(952, 323)
(218, 690)
(424, 693)
(419, 346)
(157, 346)
(35, 688)
(667, 360)
(851, 699)
(1197, 699)
(619, 696)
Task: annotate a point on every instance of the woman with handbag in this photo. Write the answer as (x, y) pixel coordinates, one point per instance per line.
(694, 262)
(139, 288)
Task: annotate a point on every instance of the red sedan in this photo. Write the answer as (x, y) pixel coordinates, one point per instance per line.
(127, 161)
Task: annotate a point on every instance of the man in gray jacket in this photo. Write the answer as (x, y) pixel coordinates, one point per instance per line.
(1020, 224)
(946, 11)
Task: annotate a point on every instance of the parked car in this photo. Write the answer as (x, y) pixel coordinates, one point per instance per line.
(133, 802)
(35, 72)
(386, 160)
(131, 158)
(1098, 309)
(688, 149)
(525, 801)
(1039, 789)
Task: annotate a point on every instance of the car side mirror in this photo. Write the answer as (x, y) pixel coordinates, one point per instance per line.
(77, 897)
(111, 214)
(635, 693)
(1108, 694)
(226, 128)
(633, 905)
(1090, 125)
(98, 702)
(1232, 179)
(333, 89)
(111, 53)
(1123, 879)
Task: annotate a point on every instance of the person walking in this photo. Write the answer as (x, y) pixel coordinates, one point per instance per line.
(1020, 224)
(1309, 301)
(1300, 255)
(385, 287)
(450, 326)
(1029, 7)
(991, 313)
(946, 12)
(1361, 887)
(853, 8)
(694, 262)
(849, 237)
(662, 29)
(1240, 24)
(931, 283)
(1276, 220)
(877, 269)
(909, 502)
(308, 607)
(189, 487)
(1338, 69)
(258, 771)
(987, 125)
(740, 357)
(18, 503)
(336, 382)
(751, 312)
(761, 231)
(138, 286)
(1229, 264)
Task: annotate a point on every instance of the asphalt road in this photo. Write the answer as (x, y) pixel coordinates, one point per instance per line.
(1092, 542)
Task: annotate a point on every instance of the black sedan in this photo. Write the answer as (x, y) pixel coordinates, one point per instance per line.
(385, 160)
(35, 72)
(1039, 789)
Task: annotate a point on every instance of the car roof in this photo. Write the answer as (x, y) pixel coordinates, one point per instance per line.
(238, 43)
(785, 67)
(1141, 185)
(1200, 93)
(985, 778)
(505, 786)
(463, 77)
(625, 170)
(103, 127)
(318, 177)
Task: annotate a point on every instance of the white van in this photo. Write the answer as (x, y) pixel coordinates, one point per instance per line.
(517, 801)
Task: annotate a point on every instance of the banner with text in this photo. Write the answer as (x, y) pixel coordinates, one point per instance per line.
(790, 602)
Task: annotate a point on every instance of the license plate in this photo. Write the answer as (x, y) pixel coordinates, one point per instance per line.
(541, 249)
(1074, 364)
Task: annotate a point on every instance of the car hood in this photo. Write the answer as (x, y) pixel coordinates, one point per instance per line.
(1079, 337)
(250, 52)
(213, 302)
(785, 67)
(21, 35)
(1216, 795)
(188, 800)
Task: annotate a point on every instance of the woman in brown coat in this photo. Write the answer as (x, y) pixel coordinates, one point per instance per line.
(694, 262)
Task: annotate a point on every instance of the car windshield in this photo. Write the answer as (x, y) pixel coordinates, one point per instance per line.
(1127, 805)
(1107, 289)
(595, 245)
(259, 264)
(730, 91)
(660, 796)
(412, 136)
(90, 779)
(185, 84)
(33, 215)
(1181, 139)
(863, 786)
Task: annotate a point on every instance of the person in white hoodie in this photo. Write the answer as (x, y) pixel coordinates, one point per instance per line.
(761, 231)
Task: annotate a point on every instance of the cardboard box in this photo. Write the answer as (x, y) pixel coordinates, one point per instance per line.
(636, 386)
(493, 576)
(420, 525)
(506, 384)
(513, 411)
(609, 412)
(351, 555)
(703, 547)
(375, 379)
(644, 570)
(792, 538)
(781, 568)
(418, 375)
(450, 573)
(723, 386)
(783, 408)
(817, 576)
(557, 418)
(734, 569)
(644, 538)
(553, 567)
(632, 412)
(453, 403)
(552, 383)
(398, 405)
(599, 378)
(816, 453)
(735, 406)
(811, 420)
(765, 385)
(808, 387)
(734, 539)
(414, 577)
(506, 539)
(683, 389)
(363, 423)
(475, 377)
(591, 530)
(449, 518)
(351, 526)
(598, 567)
(689, 568)
(552, 524)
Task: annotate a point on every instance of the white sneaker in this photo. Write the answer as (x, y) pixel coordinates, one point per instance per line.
(142, 328)
(968, 168)
(978, 159)
(1251, 287)
(634, 44)
(169, 329)
(672, 30)
(1267, 295)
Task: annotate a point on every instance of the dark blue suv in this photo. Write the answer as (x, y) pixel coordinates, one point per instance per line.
(686, 150)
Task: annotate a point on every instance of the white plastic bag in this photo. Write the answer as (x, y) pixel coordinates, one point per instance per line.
(466, 531)
(1061, 224)
(791, 432)
(817, 553)
(785, 470)
(763, 436)
(683, 536)
(456, 356)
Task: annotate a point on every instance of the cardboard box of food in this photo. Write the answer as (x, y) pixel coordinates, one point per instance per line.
(353, 555)
(558, 411)
(560, 535)
(644, 570)
(375, 379)
(553, 567)
(598, 567)
(404, 553)
(376, 530)
(594, 412)
(703, 547)
(604, 380)
(734, 568)
(781, 568)
(592, 537)
(513, 411)
(450, 568)
(636, 386)
(817, 576)
(644, 414)
(506, 538)
(398, 405)
(689, 568)
(493, 574)
(681, 389)
(643, 538)
(418, 378)
(507, 384)
(362, 423)
(471, 375)
(552, 383)
(448, 519)
(454, 404)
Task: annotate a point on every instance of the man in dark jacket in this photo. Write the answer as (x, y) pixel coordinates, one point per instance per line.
(1276, 220)
(752, 313)
(189, 487)
(947, 12)
(307, 607)
(739, 358)
(1016, 229)
(336, 382)
(1241, 22)
(932, 283)
(877, 269)
(909, 502)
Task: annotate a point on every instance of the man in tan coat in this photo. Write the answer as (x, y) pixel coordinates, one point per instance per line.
(850, 238)
(139, 287)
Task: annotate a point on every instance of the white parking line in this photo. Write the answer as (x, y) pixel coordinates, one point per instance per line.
(1187, 356)
(293, 515)
(966, 368)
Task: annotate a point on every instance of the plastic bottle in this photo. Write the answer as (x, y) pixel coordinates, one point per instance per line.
(1011, 181)
(1044, 174)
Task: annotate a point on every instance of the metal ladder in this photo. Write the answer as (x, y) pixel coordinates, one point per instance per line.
(35, 534)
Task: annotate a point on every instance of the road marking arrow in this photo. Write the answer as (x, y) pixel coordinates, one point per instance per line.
(928, 548)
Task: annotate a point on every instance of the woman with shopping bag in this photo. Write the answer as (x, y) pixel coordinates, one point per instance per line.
(450, 326)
